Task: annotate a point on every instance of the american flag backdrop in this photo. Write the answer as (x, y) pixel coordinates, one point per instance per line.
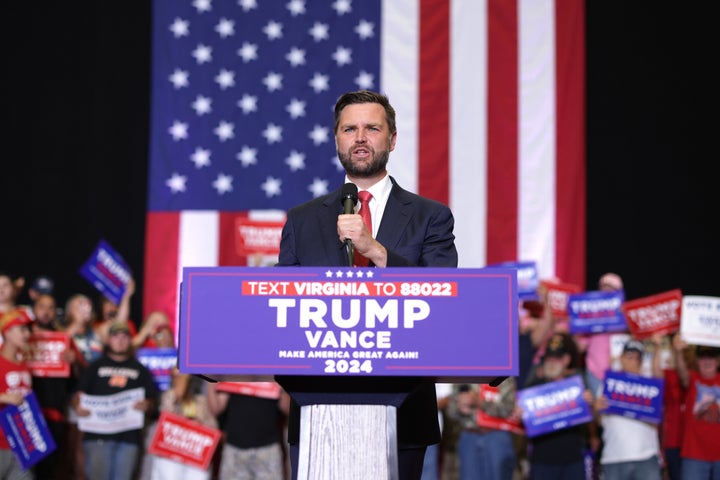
(490, 102)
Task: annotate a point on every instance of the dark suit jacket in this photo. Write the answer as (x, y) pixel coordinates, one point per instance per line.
(416, 231)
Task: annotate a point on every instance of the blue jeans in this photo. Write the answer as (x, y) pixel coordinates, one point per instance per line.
(486, 456)
(699, 470)
(565, 471)
(430, 463)
(110, 460)
(641, 470)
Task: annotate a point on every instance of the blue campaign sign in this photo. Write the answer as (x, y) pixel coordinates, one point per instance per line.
(160, 362)
(553, 406)
(107, 271)
(634, 396)
(27, 432)
(445, 323)
(596, 312)
(528, 278)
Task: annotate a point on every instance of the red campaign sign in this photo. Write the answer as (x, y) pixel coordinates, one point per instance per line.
(45, 350)
(253, 236)
(252, 389)
(491, 394)
(184, 440)
(558, 295)
(658, 313)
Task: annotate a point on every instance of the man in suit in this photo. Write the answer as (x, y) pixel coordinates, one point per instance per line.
(407, 231)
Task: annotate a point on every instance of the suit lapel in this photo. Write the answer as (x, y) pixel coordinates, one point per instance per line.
(328, 227)
(396, 216)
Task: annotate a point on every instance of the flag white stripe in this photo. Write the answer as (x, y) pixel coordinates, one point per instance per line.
(399, 72)
(536, 169)
(468, 129)
(199, 241)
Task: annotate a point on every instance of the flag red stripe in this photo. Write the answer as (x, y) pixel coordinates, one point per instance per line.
(502, 134)
(570, 141)
(434, 100)
(161, 263)
(227, 251)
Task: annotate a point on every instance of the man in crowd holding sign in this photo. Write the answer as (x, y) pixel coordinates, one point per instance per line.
(700, 449)
(630, 410)
(114, 394)
(253, 420)
(54, 366)
(15, 382)
(556, 410)
(402, 230)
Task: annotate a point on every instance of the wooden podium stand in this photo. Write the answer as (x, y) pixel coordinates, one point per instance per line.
(292, 325)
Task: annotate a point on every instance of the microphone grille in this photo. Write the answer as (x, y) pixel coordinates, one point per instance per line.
(349, 190)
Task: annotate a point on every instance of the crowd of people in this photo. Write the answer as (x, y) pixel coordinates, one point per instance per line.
(611, 445)
(253, 445)
(101, 352)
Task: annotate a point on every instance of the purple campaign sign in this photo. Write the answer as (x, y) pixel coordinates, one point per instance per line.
(553, 406)
(107, 271)
(634, 396)
(27, 432)
(596, 312)
(258, 322)
(160, 362)
(528, 278)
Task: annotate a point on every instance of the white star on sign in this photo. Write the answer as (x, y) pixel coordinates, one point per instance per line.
(223, 184)
(271, 186)
(248, 52)
(296, 7)
(296, 108)
(176, 183)
(365, 29)
(273, 30)
(342, 56)
(247, 103)
(225, 28)
(365, 80)
(202, 54)
(319, 82)
(318, 187)
(296, 161)
(247, 156)
(224, 131)
(202, 105)
(179, 130)
(180, 28)
(202, 5)
(179, 78)
(319, 31)
(247, 5)
(272, 133)
(296, 57)
(225, 79)
(273, 81)
(342, 6)
(319, 135)
(200, 157)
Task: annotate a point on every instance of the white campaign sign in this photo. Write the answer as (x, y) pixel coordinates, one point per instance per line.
(700, 320)
(112, 413)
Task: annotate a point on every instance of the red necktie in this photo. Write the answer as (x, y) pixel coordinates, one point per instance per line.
(365, 198)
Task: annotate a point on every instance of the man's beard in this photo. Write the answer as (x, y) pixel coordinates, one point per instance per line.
(366, 169)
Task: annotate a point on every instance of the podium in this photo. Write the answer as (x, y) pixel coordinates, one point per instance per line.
(349, 345)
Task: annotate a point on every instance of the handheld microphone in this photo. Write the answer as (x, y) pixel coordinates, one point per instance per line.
(349, 198)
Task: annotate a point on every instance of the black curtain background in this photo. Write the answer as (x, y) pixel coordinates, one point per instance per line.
(76, 108)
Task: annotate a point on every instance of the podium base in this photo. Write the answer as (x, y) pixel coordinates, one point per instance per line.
(351, 442)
